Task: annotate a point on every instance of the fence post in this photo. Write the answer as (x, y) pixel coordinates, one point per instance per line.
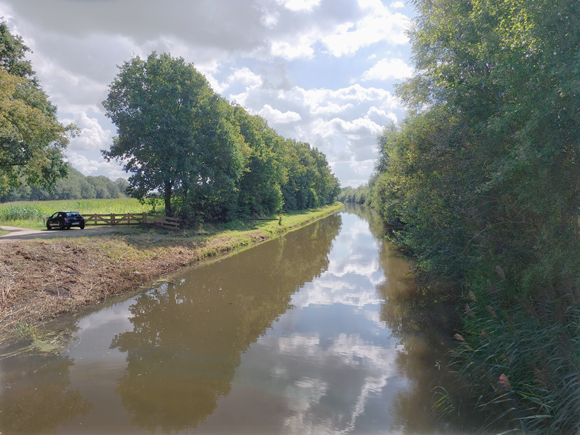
(112, 219)
(145, 218)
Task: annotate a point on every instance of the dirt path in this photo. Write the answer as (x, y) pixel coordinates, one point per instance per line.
(20, 234)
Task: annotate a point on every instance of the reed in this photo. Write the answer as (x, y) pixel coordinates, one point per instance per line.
(522, 364)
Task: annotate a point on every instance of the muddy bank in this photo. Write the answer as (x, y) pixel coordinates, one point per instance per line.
(43, 279)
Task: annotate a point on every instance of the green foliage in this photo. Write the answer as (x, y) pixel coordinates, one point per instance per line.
(260, 191)
(175, 135)
(310, 181)
(32, 141)
(359, 195)
(484, 172)
(210, 161)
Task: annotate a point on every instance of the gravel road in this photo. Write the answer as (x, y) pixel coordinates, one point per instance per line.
(17, 234)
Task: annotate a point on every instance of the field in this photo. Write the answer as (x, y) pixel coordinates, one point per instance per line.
(33, 214)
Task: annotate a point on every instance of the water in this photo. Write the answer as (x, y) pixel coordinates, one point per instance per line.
(309, 333)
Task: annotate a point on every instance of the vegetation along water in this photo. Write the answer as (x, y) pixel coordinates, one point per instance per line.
(481, 182)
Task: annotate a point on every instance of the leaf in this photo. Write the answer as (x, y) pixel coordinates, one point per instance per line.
(500, 272)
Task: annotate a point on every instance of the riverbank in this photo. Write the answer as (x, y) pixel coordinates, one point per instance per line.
(41, 280)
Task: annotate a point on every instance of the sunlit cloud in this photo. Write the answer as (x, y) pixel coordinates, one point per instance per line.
(388, 69)
(277, 117)
(299, 5)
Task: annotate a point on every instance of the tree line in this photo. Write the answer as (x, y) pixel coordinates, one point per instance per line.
(74, 186)
(357, 195)
(206, 158)
(484, 174)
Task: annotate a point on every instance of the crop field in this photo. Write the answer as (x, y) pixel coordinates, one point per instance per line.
(32, 214)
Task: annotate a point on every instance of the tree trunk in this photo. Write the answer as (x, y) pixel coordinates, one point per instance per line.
(168, 192)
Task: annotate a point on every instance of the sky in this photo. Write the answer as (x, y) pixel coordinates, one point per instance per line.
(319, 71)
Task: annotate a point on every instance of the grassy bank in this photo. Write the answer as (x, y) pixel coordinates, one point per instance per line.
(44, 279)
(32, 214)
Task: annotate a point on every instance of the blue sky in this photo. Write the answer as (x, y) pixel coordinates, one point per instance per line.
(320, 71)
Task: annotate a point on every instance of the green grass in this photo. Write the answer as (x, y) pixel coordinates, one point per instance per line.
(32, 214)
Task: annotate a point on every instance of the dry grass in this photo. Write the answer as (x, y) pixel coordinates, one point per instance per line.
(44, 279)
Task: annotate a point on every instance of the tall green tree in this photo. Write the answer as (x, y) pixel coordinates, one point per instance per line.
(175, 136)
(32, 140)
(310, 181)
(260, 191)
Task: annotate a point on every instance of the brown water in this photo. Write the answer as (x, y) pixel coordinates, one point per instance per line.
(305, 334)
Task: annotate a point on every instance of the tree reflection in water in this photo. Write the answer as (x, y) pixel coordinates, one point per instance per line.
(423, 322)
(187, 337)
(34, 397)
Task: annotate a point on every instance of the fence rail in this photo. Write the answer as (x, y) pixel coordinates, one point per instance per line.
(167, 222)
(132, 219)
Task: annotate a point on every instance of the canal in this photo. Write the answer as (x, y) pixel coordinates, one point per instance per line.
(306, 334)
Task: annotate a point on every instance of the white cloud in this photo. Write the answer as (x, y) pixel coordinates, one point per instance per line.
(277, 117)
(298, 46)
(72, 93)
(330, 109)
(397, 5)
(372, 24)
(388, 69)
(356, 128)
(378, 25)
(88, 167)
(245, 77)
(380, 115)
(242, 76)
(299, 5)
(269, 19)
(92, 137)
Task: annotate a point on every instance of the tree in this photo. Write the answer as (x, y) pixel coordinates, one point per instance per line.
(310, 181)
(12, 55)
(32, 141)
(175, 135)
(260, 190)
(122, 185)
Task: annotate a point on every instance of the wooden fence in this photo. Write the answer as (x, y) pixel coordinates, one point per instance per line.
(132, 219)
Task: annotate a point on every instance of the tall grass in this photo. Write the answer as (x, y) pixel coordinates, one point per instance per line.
(33, 213)
(522, 362)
